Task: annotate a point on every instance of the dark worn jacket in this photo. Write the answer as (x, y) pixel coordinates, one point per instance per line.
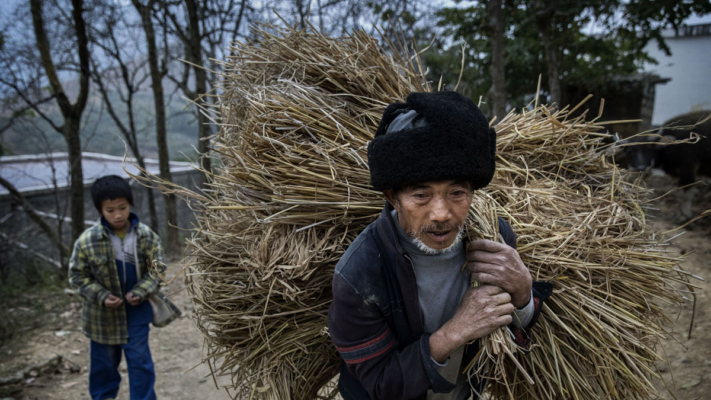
(376, 324)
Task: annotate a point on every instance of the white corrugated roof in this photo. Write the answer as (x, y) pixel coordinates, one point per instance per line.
(35, 172)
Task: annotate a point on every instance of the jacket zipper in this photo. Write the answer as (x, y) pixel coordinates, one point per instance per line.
(135, 257)
(123, 261)
(412, 267)
(412, 264)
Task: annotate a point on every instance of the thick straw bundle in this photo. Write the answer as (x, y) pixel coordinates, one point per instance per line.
(293, 191)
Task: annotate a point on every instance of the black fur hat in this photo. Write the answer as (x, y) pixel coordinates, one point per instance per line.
(433, 137)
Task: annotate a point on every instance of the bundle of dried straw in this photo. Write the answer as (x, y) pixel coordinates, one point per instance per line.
(292, 191)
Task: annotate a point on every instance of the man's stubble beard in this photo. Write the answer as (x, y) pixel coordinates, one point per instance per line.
(429, 250)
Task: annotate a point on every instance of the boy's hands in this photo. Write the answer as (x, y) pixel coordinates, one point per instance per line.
(133, 299)
(112, 301)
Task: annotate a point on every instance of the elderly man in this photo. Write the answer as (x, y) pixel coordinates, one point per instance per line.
(404, 317)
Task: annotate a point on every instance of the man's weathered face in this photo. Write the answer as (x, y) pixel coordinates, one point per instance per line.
(433, 212)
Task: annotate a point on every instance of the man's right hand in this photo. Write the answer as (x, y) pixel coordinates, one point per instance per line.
(112, 301)
(482, 310)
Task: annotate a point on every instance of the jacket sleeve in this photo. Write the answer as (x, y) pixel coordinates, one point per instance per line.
(372, 353)
(81, 277)
(540, 292)
(522, 336)
(155, 266)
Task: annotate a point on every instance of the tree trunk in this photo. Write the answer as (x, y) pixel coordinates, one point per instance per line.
(151, 198)
(302, 12)
(497, 95)
(137, 151)
(543, 20)
(195, 54)
(61, 212)
(71, 112)
(204, 133)
(152, 210)
(320, 16)
(76, 188)
(171, 210)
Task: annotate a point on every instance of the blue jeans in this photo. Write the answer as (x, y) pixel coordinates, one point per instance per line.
(104, 378)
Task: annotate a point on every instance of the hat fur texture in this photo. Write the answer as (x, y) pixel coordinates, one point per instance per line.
(449, 139)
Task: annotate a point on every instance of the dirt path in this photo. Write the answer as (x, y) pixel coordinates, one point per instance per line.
(178, 347)
(175, 349)
(688, 370)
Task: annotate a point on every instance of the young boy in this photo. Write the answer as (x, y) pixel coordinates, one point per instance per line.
(115, 266)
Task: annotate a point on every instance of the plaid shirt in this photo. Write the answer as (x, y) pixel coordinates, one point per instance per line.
(93, 271)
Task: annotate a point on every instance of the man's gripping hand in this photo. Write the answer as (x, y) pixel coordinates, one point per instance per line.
(500, 265)
(482, 310)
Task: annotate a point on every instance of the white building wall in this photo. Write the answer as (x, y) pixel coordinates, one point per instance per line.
(689, 68)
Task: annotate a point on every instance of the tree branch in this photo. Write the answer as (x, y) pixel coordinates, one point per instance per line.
(41, 223)
(18, 113)
(98, 80)
(83, 44)
(46, 57)
(183, 84)
(34, 105)
(238, 23)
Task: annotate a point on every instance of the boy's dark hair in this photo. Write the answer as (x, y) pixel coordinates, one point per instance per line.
(110, 187)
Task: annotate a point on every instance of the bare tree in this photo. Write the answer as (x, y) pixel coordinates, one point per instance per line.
(156, 73)
(71, 112)
(124, 77)
(545, 11)
(203, 28)
(24, 120)
(497, 94)
(31, 89)
(194, 52)
(223, 22)
(303, 7)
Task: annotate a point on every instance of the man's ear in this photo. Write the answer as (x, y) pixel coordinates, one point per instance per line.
(389, 196)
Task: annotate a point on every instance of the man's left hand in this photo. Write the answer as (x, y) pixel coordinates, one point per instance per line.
(500, 265)
(135, 300)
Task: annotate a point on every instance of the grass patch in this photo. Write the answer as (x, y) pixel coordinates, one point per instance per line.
(31, 296)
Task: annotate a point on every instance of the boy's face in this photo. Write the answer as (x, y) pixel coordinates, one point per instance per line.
(116, 212)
